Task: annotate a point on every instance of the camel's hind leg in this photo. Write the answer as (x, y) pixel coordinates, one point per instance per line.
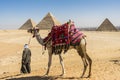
(62, 64)
(90, 64)
(84, 62)
(89, 60)
(82, 52)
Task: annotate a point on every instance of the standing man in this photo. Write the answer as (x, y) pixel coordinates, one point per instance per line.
(26, 60)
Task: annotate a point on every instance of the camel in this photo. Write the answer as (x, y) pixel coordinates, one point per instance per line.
(81, 49)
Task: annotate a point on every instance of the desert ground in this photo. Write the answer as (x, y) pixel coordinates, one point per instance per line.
(102, 47)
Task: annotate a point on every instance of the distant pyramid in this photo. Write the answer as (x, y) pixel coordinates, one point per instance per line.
(47, 22)
(28, 24)
(106, 26)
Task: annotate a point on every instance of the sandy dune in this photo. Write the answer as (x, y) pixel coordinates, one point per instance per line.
(102, 47)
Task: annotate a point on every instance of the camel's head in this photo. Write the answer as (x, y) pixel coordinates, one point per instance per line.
(33, 31)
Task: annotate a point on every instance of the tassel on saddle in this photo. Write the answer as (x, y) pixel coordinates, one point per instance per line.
(59, 48)
(66, 47)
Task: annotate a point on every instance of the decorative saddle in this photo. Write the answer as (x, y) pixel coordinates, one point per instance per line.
(63, 36)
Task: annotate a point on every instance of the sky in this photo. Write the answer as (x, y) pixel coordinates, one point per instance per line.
(85, 13)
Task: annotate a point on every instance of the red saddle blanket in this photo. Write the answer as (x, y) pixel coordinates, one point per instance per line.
(60, 35)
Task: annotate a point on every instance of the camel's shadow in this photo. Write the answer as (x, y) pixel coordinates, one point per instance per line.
(33, 78)
(43, 78)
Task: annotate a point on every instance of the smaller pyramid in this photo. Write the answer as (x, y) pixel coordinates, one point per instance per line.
(47, 22)
(28, 24)
(106, 26)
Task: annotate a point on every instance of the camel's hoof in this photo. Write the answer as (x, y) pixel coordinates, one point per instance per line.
(45, 74)
(81, 77)
(88, 76)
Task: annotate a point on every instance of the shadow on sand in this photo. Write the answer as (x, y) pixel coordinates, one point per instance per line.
(43, 78)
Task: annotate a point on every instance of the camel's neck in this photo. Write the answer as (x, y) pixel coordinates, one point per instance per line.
(39, 39)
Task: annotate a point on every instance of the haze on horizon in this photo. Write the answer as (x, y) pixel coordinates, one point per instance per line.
(85, 13)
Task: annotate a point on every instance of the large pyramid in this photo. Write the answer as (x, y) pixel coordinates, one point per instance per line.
(106, 26)
(47, 22)
(28, 24)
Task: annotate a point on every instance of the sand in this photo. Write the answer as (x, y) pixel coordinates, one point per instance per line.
(102, 47)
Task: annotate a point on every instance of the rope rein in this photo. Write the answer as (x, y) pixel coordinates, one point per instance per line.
(43, 51)
(29, 40)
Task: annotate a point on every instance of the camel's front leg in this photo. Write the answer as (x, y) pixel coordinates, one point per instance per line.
(49, 63)
(62, 64)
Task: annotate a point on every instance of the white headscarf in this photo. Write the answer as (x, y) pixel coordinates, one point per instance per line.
(26, 46)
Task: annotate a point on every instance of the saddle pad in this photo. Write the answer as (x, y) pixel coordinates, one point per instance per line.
(60, 35)
(75, 34)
